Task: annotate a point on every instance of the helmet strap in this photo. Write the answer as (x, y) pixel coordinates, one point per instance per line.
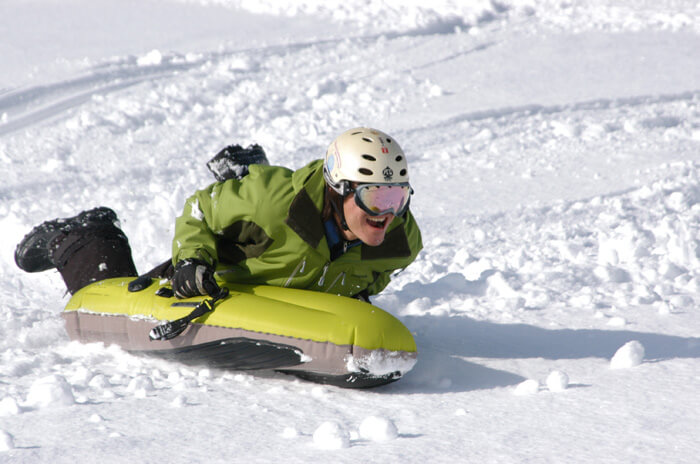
(339, 211)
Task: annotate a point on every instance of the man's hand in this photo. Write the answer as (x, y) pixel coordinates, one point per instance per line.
(194, 277)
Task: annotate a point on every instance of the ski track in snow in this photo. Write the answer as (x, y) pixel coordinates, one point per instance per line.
(554, 305)
(28, 107)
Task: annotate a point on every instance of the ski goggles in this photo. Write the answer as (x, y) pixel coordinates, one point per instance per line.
(378, 199)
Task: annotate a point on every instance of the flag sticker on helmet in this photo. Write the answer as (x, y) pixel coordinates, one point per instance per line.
(383, 141)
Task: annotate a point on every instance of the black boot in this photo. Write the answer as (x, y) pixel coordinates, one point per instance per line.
(35, 252)
(232, 162)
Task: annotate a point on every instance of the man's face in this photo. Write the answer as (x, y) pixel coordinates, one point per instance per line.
(371, 230)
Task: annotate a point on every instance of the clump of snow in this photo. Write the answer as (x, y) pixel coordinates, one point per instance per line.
(53, 390)
(9, 407)
(179, 401)
(152, 58)
(185, 384)
(7, 442)
(331, 435)
(631, 354)
(381, 362)
(527, 387)
(95, 419)
(99, 381)
(319, 392)
(375, 428)
(617, 321)
(140, 386)
(557, 381)
(498, 286)
(290, 432)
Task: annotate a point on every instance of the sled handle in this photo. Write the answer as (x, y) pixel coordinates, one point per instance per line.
(172, 329)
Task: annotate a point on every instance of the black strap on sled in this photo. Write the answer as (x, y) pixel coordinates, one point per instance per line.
(172, 329)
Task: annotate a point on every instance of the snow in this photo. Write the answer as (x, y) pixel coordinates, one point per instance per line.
(6, 441)
(9, 407)
(554, 148)
(527, 387)
(376, 428)
(50, 391)
(380, 363)
(631, 354)
(331, 435)
(557, 381)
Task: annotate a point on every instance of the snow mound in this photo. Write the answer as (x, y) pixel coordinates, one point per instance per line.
(95, 419)
(99, 381)
(152, 58)
(631, 354)
(179, 401)
(375, 428)
(557, 381)
(6, 441)
(53, 390)
(9, 407)
(331, 435)
(527, 387)
(140, 386)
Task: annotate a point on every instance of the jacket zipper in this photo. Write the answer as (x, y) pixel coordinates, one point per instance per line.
(340, 276)
(297, 270)
(323, 276)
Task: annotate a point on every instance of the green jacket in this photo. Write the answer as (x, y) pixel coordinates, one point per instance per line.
(267, 229)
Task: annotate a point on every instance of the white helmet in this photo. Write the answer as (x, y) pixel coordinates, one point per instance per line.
(364, 155)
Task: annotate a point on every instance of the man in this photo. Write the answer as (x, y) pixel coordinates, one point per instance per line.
(339, 225)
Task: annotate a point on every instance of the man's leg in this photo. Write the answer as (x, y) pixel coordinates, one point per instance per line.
(85, 248)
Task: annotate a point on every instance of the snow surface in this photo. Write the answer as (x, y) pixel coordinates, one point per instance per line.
(555, 153)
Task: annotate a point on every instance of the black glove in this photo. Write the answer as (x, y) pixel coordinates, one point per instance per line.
(362, 296)
(194, 277)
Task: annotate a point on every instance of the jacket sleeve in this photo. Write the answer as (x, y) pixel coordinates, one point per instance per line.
(206, 215)
(193, 235)
(380, 283)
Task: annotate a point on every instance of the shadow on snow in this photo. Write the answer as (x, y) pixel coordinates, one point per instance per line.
(443, 341)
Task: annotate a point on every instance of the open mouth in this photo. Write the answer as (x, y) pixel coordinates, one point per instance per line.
(377, 223)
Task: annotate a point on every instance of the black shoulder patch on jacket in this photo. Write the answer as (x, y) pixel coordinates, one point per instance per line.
(395, 245)
(242, 240)
(305, 219)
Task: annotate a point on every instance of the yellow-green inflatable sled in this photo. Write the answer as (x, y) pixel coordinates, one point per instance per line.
(316, 336)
